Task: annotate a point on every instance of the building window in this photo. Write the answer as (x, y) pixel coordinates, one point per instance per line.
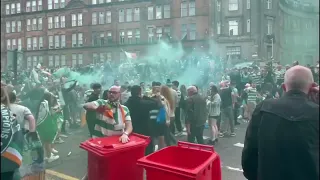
(40, 24)
(56, 4)
(269, 26)
(192, 31)
(35, 43)
(50, 22)
(121, 40)
(137, 36)
(122, 56)
(101, 1)
(80, 39)
(74, 59)
(28, 24)
(80, 59)
(57, 41)
(34, 6)
(129, 15)
(63, 60)
(74, 20)
(93, 2)
(109, 56)
(56, 60)
(234, 52)
(19, 44)
(74, 40)
(101, 17)
(218, 28)
(150, 13)
(18, 8)
(167, 31)
(108, 15)
(62, 3)
(51, 63)
(269, 4)
(13, 26)
(50, 39)
(166, 11)
(80, 19)
(184, 31)
(63, 41)
(129, 36)
(56, 22)
(40, 42)
(109, 36)
(218, 5)
(50, 4)
(248, 25)
(101, 57)
(28, 6)
(39, 5)
(29, 63)
(13, 8)
(101, 39)
(35, 60)
(233, 5)
(62, 21)
(184, 9)
(248, 4)
(14, 45)
(8, 44)
(150, 35)
(29, 43)
(94, 18)
(19, 26)
(158, 12)
(95, 58)
(233, 28)
(121, 15)
(8, 27)
(136, 15)
(34, 24)
(159, 33)
(7, 9)
(192, 8)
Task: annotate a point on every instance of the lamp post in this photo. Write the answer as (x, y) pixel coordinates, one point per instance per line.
(271, 48)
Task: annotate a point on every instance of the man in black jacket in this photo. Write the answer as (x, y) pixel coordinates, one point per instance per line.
(139, 108)
(282, 139)
(91, 115)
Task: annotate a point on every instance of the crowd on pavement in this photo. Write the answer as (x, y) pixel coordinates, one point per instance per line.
(39, 112)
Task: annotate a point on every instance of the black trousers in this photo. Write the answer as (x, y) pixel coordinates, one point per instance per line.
(169, 138)
(7, 175)
(150, 147)
(196, 132)
(177, 122)
(235, 113)
(66, 117)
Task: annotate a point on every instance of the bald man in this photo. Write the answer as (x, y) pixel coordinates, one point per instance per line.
(282, 139)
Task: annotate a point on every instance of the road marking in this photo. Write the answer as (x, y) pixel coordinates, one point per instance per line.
(239, 145)
(234, 169)
(60, 175)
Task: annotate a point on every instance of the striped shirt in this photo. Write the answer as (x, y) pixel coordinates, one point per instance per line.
(153, 114)
(252, 94)
(107, 126)
(256, 78)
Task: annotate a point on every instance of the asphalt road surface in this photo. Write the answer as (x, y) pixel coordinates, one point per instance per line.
(74, 166)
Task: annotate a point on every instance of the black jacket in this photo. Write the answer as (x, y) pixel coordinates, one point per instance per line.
(282, 140)
(139, 111)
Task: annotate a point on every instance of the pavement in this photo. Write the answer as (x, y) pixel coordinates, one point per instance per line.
(74, 166)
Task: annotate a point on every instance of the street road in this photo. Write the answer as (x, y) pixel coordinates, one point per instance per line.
(74, 166)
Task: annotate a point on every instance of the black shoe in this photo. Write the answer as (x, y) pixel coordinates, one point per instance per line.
(237, 123)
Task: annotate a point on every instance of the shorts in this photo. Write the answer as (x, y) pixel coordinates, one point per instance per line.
(158, 129)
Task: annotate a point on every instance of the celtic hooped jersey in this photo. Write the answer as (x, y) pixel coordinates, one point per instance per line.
(11, 141)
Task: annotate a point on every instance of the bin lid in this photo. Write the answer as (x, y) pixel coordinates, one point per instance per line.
(109, 144)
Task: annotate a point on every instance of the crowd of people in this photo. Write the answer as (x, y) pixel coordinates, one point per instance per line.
(161, 110)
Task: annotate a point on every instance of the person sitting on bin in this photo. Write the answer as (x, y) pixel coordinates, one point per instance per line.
(112, 117)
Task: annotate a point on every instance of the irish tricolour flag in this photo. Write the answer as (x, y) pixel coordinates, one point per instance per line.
(130, 55)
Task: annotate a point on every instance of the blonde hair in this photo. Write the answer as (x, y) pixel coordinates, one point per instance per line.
(166, 92)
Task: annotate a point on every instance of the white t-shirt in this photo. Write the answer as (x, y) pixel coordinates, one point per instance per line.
(21, 113)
